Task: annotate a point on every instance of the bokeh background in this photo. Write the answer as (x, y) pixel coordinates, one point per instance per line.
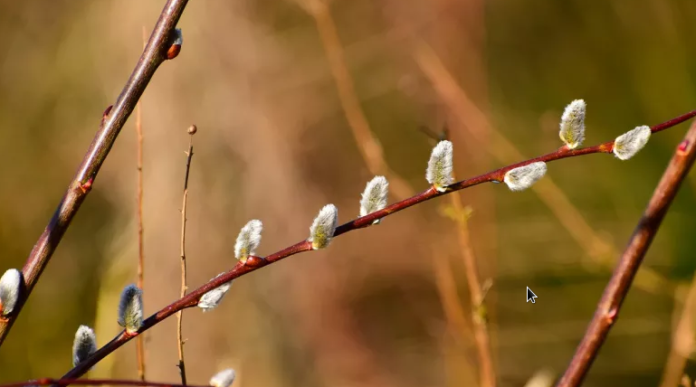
(298, 104)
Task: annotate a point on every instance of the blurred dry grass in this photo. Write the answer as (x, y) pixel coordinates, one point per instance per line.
(274, 144)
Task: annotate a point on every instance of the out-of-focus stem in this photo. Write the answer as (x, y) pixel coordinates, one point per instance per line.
(372, 153)
(140, 342)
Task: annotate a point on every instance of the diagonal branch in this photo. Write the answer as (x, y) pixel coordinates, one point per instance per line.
(615, 292)
(254, 263)
(113, 120)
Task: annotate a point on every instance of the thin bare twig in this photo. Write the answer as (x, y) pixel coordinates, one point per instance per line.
(140, 344)
(92, 382)
(180, 315)
(112, 122)
(254, 263)
(620, 283)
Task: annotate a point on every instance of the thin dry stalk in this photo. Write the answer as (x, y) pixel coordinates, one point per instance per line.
(372, 153)
(682, 341)
(140, 342)
(466, 112)
(113, 120)
(184, 286)
(254, 263)
(620, 282)
(481, 337)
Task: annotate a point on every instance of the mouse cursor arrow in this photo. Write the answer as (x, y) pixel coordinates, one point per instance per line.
(531, 296)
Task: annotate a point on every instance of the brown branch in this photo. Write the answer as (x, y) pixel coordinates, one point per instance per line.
(91, 382)
(620, 282)
(113, 120)
(140, 345)
(180, 315)
(254, 263)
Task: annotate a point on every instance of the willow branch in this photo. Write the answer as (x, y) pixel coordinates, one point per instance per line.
(620, 282)
(92, 382)
(113, 120)
(255, 263)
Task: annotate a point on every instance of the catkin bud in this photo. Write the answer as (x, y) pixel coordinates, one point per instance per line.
(10, 284)
(211, 300)
(572, 131)
(176, 39)
(323, 227)
(523, 177)
(440, 169)
(130, 309)
(629, 143)
(85, 344)
(374, 198)
(224, 378)
(248, 240)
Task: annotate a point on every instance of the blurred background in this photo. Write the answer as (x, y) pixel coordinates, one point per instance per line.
(298, 104)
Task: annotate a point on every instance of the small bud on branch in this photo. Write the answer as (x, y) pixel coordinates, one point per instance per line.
(323, 227)
(629, 143)
(572, 131)
(440, 169)
(224, 378)
(85, 344)
(248, 240)
(525, 176)
(211, 300)
(177, 39)
(130, 309)
(10, 283)
(374, 198)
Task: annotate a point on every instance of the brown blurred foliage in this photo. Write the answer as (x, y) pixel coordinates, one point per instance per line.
(274, 144)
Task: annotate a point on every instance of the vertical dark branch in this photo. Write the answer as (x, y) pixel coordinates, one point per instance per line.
(615, 292)
(112, 122)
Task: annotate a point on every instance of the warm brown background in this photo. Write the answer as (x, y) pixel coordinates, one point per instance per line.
(274, 144)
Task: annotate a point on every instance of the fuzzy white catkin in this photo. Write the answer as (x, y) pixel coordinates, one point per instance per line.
(248, 240)
(324, 226)
(224, 378)
(85, 344)
(211, 300)
(10, 283)
(130, 309)
(374, 198)
(629, 143)
(439, 172)
(525, 176)
(572, 128)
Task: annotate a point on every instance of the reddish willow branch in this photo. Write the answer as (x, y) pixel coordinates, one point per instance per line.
(114, 118)
(620, 282)
(254, 263)
(93, 382)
